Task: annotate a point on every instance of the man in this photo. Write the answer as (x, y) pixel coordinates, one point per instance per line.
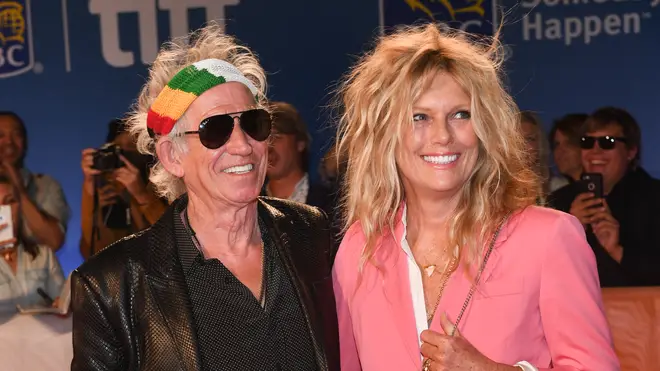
(623, 227)
(225, 280)
(288, 157)
(44, 207)
(288, 177)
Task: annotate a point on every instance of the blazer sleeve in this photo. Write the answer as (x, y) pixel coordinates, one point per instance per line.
(95, 346)
(344, 274)
(571, 305)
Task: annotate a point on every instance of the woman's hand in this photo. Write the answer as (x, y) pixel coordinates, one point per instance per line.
(130, 177)
(86, 164)
(108, 195)
(12, 240)
(445, 352)
(56, 304)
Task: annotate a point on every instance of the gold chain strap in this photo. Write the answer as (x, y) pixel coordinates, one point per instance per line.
(453, 263)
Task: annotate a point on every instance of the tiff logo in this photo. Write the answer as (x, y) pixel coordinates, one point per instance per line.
(108, 12)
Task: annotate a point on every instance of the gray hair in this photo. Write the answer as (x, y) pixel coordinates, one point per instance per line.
(205, 43)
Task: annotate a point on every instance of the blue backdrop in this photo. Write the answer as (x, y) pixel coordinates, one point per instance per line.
(69, 66)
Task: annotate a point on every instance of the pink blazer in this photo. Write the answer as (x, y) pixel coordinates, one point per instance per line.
(539, 300)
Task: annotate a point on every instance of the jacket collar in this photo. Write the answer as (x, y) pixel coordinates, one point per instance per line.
(170, 291)
(168, 285)
(278, 225)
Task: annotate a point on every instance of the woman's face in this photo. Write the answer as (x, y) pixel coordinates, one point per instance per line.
(567, 154)
(439, 153)
(530, 132)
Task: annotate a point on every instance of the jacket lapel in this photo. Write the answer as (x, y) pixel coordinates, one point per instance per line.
(396, 286)
(278, 224)
(168, 286)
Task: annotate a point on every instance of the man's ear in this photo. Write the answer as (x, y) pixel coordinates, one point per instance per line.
(632, 153)
(169, 156)
(301, 145)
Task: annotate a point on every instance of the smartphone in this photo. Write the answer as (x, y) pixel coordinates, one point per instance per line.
(7, 237)
(592, 183)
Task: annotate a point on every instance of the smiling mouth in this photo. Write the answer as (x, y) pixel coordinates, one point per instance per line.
(441, 160)
(241, 169)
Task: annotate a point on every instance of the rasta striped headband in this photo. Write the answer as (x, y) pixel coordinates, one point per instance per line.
(185, 87)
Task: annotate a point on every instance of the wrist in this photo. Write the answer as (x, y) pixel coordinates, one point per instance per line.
(503, 367)
(524, 366)
(616, 252)
(143, 197)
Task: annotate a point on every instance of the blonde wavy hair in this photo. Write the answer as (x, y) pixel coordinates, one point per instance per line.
(377, 97)
(207, 42)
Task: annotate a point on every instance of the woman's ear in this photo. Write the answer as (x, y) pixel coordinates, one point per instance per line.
(169, 156)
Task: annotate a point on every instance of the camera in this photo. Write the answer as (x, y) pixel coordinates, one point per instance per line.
(107, 158)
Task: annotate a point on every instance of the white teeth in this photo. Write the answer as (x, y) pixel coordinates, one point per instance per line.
(239, 169)
(597, 162)
(443, 160)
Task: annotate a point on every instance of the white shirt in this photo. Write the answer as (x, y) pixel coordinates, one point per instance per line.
(415, 278)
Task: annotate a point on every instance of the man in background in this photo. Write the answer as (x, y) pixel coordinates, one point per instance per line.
(622, 227)
(288, 157)
(288, 170)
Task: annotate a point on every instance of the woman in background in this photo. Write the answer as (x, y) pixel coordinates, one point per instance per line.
(447, 263)
(25, 266)
(565, 137)
(124, 188)
(539, 150)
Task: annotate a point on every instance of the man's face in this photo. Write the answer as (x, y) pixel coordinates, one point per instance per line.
(284, 155)
(612, 163)
(233, 173)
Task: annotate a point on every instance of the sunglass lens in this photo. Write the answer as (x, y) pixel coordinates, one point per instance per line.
(256, 123)
(606, 142)
(215, 131)
(587, 142)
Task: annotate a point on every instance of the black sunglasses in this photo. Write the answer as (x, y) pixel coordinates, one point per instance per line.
(606, 142)
(215, 131)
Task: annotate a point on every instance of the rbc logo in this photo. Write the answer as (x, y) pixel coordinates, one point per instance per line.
(16, 55)
(474, 16)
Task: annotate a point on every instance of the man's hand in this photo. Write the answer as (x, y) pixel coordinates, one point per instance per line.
(606, 230)
(583, 207)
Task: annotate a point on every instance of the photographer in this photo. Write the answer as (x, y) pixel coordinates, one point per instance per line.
(117, 198)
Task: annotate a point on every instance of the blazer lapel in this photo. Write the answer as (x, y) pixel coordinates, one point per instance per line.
(396, 286)
(278, 224)
(494, 257)
(168, 286)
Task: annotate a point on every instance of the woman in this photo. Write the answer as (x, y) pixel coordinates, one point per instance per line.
(104, 220)
(540, 152)
(224, 280)
(45, 212)
(443, 227)
(25, 266)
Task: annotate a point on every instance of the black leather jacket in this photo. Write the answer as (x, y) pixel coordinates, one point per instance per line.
(131, 310)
